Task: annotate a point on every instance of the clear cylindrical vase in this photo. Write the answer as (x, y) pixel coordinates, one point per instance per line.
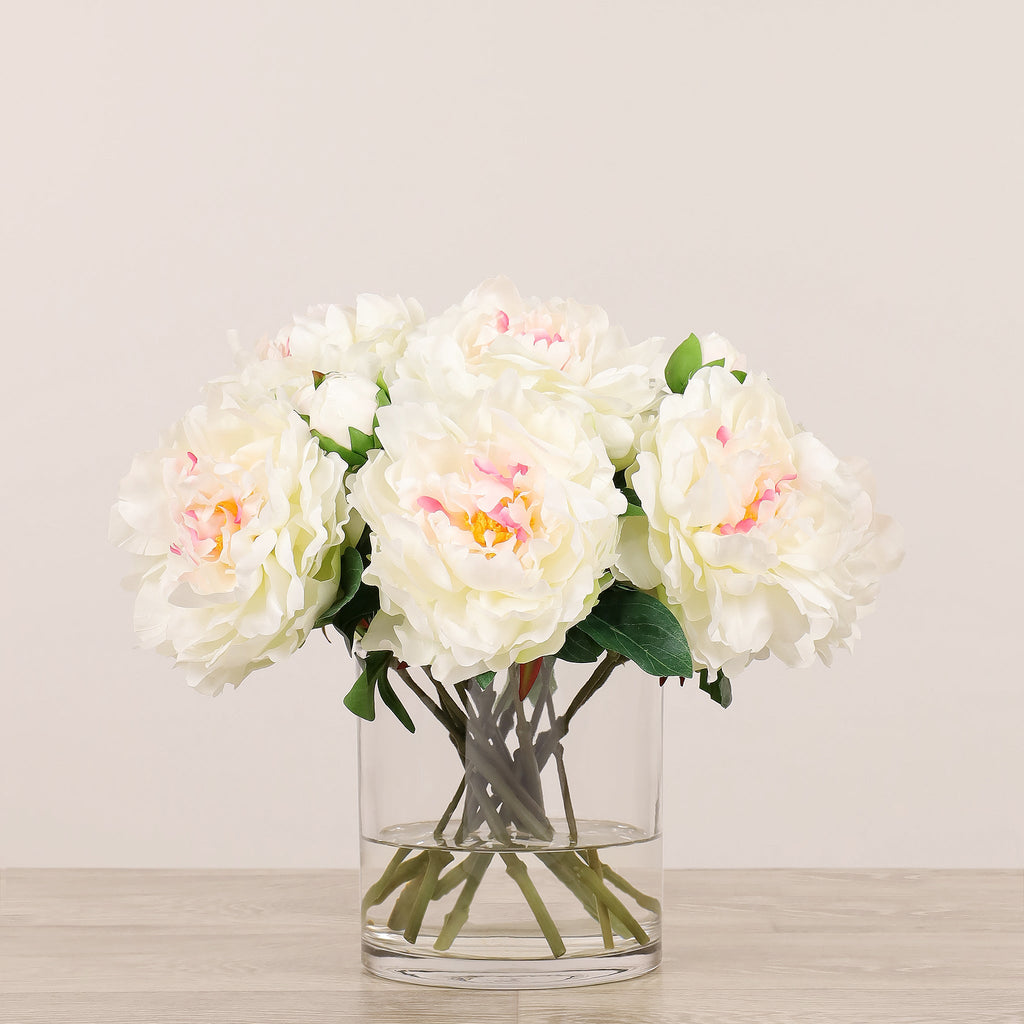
(513, 840)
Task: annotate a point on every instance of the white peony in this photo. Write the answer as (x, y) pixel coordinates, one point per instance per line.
(714, 347)
(340, 401)
(494, 522)
(365, 340)
(757, 536)
(237, 524)
(560, 347)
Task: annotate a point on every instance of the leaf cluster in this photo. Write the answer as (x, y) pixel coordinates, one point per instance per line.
(686, 360)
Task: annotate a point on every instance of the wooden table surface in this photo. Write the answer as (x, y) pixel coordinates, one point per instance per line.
(246, 947)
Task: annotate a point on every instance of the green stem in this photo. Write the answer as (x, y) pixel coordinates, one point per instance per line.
(458, 737)
(602, 910)
(478, 787)
(604, 895)
(592, 685)
(642, 899)
(395, 874)
(563, 778)
(547, 741)
(442, 822)
(436, 860)
(454, 712)
(451, 880)
(519, 804)
(517, 870)
(459, 914)
(528, 757)
(559, 865)
(406, 900)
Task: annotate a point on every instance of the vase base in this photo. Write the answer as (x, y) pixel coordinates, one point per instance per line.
(515, 975)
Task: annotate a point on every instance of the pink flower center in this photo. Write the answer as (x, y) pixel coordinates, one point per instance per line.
(766, 492)
(508, 518)
(209, 519)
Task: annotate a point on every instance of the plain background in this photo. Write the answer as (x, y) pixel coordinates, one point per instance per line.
(835, 187)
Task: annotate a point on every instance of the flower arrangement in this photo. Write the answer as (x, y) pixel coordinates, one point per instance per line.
(496, 489)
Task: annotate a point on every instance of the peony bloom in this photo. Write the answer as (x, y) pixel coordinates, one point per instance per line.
(560, 347)
(237, 524)
(760, 539)
(365, 340)
(494, 522)
(713, 347)
(341, 401)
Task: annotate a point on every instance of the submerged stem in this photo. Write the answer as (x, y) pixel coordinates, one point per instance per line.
(602, 910)
(459, 914)
(393, 878)
(436, 860)
(641, 898)
(517, 870)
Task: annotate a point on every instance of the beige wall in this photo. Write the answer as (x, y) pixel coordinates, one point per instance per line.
(836, 187)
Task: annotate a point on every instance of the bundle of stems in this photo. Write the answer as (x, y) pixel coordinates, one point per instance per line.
(504, 744)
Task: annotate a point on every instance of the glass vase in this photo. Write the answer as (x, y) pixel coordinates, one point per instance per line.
(513, 840)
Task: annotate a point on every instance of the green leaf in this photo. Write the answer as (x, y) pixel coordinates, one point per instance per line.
(388, 695)
(361, 443)
(359, 700)
(579, 648)
(716, 362)
(718, 689)
(485, 679)
(349, 578)
(633, 506)
(318, 379)
(364, 605)
(639, 627)
(683, 364)
(354, 459)
(740, 375)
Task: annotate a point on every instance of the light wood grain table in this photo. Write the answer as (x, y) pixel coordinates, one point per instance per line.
(248, 947)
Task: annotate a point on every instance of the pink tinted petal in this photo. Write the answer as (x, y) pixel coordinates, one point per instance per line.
(489, 469)
(724, 434)
(726, 529)
(429, 504)
(502, 321)
(193, 460)
(175, 549)
(745, 525)
(500, 514)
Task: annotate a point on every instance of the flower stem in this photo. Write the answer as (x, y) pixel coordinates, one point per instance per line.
(459, 914)
(602, 910)
(436, 860)
(517, 870)
(592, 685)
(559, 865)
(395, 874)
(442, 822)
(406, 899)
(563, 779)
(604, 895)
(642, 899)
(528, 757)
